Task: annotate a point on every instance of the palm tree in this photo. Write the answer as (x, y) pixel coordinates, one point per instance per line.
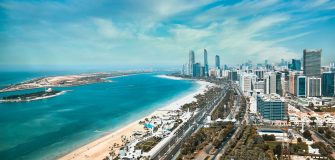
(313, 120)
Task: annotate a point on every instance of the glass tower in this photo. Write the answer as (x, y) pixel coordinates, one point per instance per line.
(191, 62)
(217, 61)
(312, 63)
(328, 84)
(206, 63)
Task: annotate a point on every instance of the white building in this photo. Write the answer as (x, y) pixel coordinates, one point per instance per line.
(246, 82)
(270, 83)
(313, 87)
(259, 86)
(278, 133)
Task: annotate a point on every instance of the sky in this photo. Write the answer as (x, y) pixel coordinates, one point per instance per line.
(153, 32)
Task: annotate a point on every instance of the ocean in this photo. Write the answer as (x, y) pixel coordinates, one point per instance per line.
(49, 128)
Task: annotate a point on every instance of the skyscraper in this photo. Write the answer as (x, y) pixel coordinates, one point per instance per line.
(196, 70)
(183, 70)
(279, 89)
(301, 86)
(191, 63)
(217, 61)
(260, 74)
(313, 87)
(270, 83)
(232, 75)
(246, 82)
(312, 62)
(291, 83)
(206, 63)
(296, 65)
(282, 62)
(328, 84)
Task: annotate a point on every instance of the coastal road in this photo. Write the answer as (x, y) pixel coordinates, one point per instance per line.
(221, 148)
(170, 149)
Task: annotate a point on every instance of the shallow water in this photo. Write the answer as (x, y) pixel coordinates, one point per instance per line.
(48, 128)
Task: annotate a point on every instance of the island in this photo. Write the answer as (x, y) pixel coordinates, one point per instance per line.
(32, 96)
(65, 81)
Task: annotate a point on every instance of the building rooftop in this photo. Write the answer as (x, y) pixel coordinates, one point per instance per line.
(313, 50)
(271, 97)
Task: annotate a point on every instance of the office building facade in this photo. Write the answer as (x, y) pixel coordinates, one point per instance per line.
(270, 83)
(328, 84)
(259, 74)
(206, 74)
(313, 87)
(296, 65)
(279, 89)
(272, 107)
(246, 82)
(301, 86)
(196, 70)
(232, 75)
(191, 62)
(217, 62)
(312, 63)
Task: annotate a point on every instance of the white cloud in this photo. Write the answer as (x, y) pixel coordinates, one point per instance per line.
(107, 29)
(147, 35)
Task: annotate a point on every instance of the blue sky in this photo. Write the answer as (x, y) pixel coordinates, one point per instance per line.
(145, 32)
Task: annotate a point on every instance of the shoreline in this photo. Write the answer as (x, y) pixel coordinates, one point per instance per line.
(34, 99)
(100, 147)
(64, 81)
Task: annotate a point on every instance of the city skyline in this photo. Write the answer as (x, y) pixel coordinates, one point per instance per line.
(129, 33)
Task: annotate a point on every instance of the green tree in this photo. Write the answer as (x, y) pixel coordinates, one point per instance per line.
(269, 137)
(277, 150)
(313, 121)
(307, 135)
(321, 130)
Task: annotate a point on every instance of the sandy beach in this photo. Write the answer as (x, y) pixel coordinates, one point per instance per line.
(63, 81)
(100, 148)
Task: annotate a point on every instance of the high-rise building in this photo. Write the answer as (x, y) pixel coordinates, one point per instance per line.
(282, 62)
(285, 86)
(332, 67)
(246, 82)
(183, 70)
(259, 86)
(217, 61)
(196, 70)
(270, 83)
(206, 63)
(291, 83)
(272, 107)
(312, 62)
(218, 73)
(279, 89)
(301, 86)
(191, 62)
(313, 87)
(259, 74)
(232, 75)
(328, 84)
(212, 72)
(202, 71)
(296, 65)
(225, 67)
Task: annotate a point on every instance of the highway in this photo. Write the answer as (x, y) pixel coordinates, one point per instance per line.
(170, 149)
(221, 149)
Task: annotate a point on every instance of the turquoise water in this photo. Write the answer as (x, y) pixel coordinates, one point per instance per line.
(51, 127)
